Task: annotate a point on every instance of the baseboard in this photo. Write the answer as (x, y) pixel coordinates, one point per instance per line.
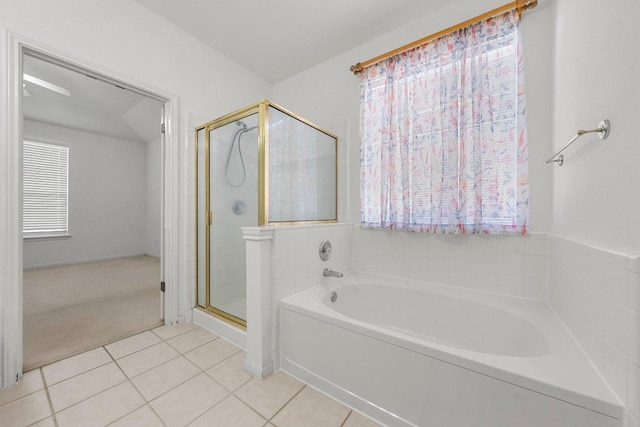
(220, 328)
(257, 369)
(83, 261)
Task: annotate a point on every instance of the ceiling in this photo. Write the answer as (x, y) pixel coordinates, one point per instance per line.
(94, 106)
(272, 38)
(276, 39)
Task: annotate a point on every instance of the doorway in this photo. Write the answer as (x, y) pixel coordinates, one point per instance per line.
(91, 211)
(11, 236)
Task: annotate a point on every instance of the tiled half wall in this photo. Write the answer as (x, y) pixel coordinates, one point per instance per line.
(596, 292)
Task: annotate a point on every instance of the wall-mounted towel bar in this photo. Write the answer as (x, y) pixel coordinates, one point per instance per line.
(603, 133)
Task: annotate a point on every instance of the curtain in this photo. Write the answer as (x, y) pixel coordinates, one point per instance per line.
(443, 135)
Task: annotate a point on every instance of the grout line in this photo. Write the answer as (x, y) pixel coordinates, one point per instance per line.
(144, 349)
(46, 389)
(211, 407)
(81, 373)
(92, 396)
(288, 401)
(175, 327)
(20, 397)
(249, 406)
(348, 415)
(194, 348)
(177, 385)
(134, 387)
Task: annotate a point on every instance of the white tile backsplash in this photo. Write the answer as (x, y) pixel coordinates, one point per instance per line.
(633, 390)
(483, 262)
(297, 265)
(633, 291)
(594, 291)
(535, 288)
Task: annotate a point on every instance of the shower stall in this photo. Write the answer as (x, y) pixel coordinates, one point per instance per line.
(261, 165)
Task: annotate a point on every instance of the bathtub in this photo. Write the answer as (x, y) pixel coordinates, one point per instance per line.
(411, 353)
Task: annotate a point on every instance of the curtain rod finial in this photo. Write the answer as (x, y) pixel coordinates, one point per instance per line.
(526, 5)
(356, 69)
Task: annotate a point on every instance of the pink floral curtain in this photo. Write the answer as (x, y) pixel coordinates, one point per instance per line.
(443, 135)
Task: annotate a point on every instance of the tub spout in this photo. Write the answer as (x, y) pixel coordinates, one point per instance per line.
(327, 272)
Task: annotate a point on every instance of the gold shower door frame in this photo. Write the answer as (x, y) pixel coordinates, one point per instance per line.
(262, 109)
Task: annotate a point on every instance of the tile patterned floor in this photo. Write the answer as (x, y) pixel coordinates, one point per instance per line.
(176, 376)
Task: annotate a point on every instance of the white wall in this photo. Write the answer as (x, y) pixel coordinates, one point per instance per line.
(125, 37)
(329, 93)
(127, 40)
(595, 77)
(581, 67)
(594, 283)
(107, 192)
(153, 208)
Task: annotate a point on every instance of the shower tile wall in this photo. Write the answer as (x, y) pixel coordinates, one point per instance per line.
(510, 265)
(596, 293)
(187, 295)
(297, 264)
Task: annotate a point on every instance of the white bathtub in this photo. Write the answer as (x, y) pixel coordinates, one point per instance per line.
(413, 353)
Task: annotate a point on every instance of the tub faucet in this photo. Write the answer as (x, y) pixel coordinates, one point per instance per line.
(327, 272)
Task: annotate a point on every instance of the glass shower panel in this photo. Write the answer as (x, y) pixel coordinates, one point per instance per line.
(233, 195)
(302, 170)
(201, 209)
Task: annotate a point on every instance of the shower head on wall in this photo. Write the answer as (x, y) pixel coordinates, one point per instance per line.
(244, 126)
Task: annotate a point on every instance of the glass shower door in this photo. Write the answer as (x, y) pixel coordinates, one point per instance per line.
(233, 204)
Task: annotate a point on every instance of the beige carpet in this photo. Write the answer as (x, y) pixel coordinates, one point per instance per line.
(73, 308)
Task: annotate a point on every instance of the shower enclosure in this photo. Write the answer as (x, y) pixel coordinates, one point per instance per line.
(261, 165)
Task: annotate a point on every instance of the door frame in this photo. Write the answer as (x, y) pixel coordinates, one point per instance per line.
(11, 244)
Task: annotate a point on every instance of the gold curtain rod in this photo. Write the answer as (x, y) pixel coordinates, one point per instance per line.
(519, 5)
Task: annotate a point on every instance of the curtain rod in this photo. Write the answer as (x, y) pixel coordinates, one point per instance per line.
(519, 5)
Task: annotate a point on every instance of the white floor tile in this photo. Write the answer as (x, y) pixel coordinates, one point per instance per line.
(168, 332)
(356, 419)
(30, 383)
(47, 422)
(75, 365)
(91, 390)
(26, 410)
(188, 401)
(192, 339)
(230, 412)
(141, 417)
(211, 353)
(268, 395)
(76, 389)
(163, 378)
(146, 359)
(103, 408)
(127, 346)
(312, 409)
(230, 372)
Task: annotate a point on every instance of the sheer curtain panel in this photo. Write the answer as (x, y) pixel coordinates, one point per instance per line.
(443, 135)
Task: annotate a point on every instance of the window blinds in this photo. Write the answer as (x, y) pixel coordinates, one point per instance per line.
(45, 200)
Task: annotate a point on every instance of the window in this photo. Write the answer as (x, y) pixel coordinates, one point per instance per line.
(444, 137)
(45, 199)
